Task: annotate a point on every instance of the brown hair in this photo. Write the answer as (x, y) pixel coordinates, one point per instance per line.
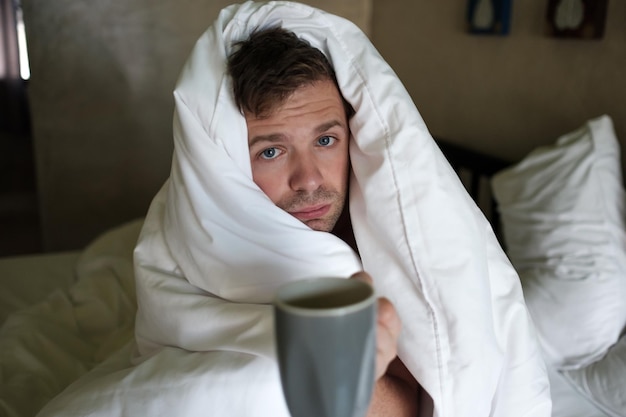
(270, 65)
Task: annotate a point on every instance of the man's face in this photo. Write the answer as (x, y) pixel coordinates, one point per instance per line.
(299, 154)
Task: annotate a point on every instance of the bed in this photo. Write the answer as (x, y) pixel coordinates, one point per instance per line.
(559, 213)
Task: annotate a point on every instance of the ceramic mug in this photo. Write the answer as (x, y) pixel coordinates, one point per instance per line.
(326, 346)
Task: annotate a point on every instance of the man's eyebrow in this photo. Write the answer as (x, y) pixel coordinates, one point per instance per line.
(277, 137)
(272, 138)
(328, 125)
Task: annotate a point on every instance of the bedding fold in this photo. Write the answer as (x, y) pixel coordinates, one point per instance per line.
(47, 346)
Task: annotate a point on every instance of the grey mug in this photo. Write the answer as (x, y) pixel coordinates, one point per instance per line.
(326, 346)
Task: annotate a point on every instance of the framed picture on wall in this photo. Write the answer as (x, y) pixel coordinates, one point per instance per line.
(489, 17)
(578, 19)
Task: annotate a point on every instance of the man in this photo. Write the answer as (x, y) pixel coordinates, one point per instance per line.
(251, 199)
(298, 135)
(226, 230)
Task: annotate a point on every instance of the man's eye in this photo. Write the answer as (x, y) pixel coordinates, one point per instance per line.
(326, 140)
(270, 153)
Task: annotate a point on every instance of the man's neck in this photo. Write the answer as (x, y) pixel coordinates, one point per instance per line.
(343, 229)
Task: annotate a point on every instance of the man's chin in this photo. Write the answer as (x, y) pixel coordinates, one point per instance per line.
(321, 225)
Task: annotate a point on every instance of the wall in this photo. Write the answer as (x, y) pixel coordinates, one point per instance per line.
(102, 76)
(504, 95)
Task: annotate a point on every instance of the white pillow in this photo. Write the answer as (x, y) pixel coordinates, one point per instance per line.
(567, 401)
(603, 382)
(563, 220)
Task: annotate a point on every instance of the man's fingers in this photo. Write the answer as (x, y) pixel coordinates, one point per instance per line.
(388, 327)
(387, 332)
(362, 276)
(388, 318)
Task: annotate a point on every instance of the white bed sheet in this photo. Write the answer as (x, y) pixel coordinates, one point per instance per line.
(45, 296)
(62, 315)
(567, 401)
(26, 280)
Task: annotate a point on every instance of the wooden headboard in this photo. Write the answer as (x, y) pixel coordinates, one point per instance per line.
(475, 170)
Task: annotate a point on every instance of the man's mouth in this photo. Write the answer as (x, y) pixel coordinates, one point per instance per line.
(311, 212)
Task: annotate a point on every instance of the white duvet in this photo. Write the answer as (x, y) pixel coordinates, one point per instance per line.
(214, 248)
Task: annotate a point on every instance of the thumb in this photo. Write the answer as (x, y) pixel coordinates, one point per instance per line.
(363, 276)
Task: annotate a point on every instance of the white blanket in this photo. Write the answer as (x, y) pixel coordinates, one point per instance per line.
(48, 344)
(214, 248)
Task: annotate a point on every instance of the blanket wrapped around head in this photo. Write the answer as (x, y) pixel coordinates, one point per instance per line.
(214, 248)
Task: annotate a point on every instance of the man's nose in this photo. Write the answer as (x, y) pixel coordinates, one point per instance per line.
(305, 173)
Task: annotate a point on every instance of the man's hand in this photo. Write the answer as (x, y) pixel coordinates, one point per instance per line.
(396, 391)
(388, 328)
